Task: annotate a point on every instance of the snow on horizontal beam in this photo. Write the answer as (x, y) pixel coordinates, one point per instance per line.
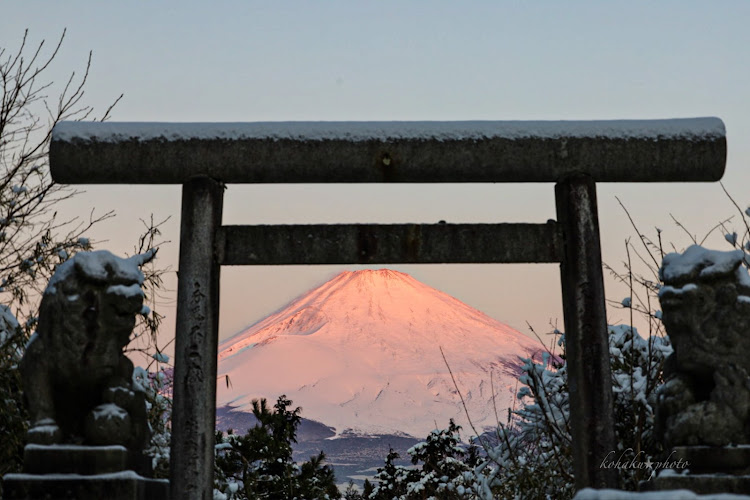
(389, 244)
(366, 131)
(689, 149)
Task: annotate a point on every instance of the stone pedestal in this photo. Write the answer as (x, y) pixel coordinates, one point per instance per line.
(69, 459)
(709, 469)
(57, 472)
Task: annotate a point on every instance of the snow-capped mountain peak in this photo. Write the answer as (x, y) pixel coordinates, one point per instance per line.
(362, 352)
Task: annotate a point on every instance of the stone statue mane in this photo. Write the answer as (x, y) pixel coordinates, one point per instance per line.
(77, 381)
(705, 304)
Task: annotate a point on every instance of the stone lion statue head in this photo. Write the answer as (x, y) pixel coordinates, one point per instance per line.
(705, 302)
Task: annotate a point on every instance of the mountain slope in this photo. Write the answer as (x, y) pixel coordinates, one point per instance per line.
(361, 353)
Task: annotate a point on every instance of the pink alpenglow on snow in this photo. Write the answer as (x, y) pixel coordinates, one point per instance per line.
(361, 353)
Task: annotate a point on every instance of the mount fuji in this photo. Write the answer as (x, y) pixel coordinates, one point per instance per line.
(362, 354)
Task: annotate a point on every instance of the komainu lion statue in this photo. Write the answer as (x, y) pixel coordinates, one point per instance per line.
(77, 381)
(705, 304)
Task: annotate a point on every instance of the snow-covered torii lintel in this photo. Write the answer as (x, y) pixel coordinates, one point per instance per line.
(671, 150)
(203, 157)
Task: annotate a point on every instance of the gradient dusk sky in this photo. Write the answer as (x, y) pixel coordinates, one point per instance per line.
(396, 60)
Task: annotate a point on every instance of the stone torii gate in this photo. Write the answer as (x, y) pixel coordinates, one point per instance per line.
(204, 157)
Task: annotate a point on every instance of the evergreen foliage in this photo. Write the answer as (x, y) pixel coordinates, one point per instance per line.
(259, 464)
(442, 468)
(157, 387)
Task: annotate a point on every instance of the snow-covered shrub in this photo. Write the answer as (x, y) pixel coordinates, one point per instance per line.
(533, 457)
(637, 365)
(13, 416)
(443, 468)
(158, 389)
(259, 464)
(391, 480)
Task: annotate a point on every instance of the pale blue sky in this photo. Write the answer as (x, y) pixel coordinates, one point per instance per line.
(387, 60)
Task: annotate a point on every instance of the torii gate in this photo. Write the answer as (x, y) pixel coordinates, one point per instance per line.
(204, 157)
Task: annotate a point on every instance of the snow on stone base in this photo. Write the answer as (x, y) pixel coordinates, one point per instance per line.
(126, 474)
(592, 494)
(75, 447)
